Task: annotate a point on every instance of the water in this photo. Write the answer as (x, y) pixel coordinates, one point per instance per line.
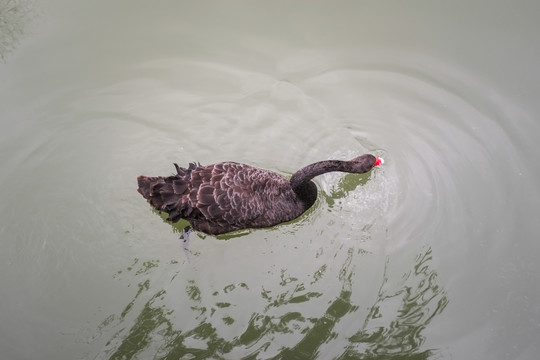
(432, 256)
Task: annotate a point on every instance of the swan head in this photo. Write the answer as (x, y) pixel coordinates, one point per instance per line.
(364, 163)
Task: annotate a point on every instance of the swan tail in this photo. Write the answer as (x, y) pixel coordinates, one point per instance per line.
(168, 194)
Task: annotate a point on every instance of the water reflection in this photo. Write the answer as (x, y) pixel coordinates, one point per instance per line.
(392, 329)
(14, 18)
(394, 325)
(346, 184)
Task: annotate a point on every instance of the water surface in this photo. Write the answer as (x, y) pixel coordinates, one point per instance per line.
(432, 256)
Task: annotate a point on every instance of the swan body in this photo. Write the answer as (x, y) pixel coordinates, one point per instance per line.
(228, 196)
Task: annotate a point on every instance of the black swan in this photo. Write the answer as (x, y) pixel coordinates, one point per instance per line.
(228, 196)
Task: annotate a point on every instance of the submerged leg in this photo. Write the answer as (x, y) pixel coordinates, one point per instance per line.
(185, 240)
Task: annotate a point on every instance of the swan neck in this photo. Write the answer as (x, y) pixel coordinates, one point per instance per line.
(303, 176)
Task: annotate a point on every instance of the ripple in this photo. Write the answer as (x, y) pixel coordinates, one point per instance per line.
(445, 156)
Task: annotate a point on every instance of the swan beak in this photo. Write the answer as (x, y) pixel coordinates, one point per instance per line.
(379, 161)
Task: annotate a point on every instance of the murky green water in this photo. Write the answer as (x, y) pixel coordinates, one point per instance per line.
(432, 256)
